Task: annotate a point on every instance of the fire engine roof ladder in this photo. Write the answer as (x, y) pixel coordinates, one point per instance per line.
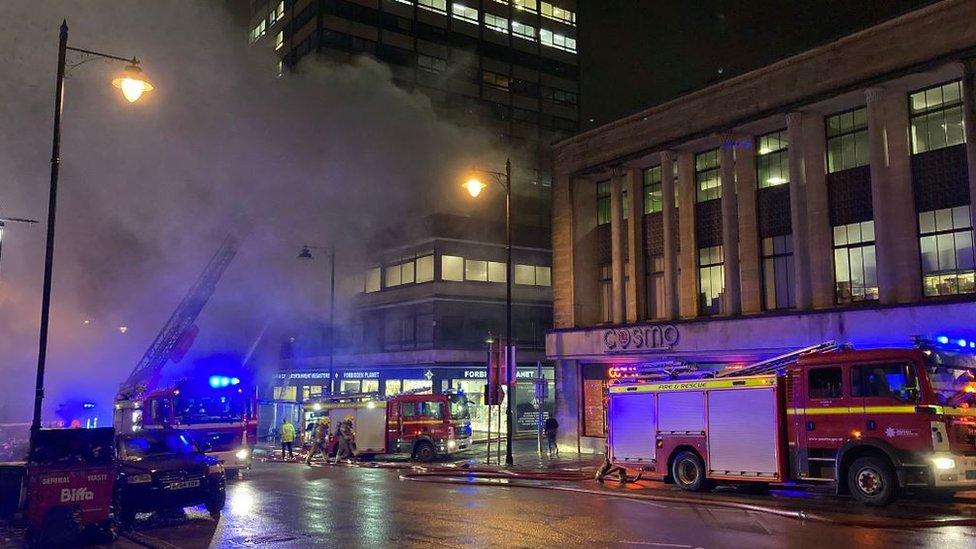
(777, 364)
(146, 374)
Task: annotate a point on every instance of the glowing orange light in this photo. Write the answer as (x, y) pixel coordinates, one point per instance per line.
(474, 187)
(856, 434)
(132, 83)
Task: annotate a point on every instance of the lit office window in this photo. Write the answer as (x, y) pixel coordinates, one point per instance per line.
(464, 13)
(847, 140)
(258, 31)
(431, 64)
(373, 278)
(558, 41)
(496, 23)
(543, 276)
(711, 279)
(276, 13)
(496, 80)
(439, 6)
(476, 270)
(400, 273)
(523, 31)
(946, 241)
(279, 40)
(527, 5)
(496, 271)
(778, 273)
(603, 203)
(708, 175)
(772, 159)
(652, 190)
(452, 268)
(425, 268)
(936, 115)
(532, 275)
(855, 266)
(558, 14)
(656, 307)
(606, 294)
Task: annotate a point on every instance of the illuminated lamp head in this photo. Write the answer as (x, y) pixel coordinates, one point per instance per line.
(132, 83)
(942, 339)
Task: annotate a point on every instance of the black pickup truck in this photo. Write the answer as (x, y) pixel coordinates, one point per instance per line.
(162, 469)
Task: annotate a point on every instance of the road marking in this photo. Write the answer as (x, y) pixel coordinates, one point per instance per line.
(658, 544)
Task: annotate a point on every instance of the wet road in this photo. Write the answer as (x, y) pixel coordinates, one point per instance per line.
(292, 505)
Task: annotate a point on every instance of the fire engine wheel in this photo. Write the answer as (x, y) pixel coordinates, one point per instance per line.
(424, 452)
(688, 471)
(872, 481)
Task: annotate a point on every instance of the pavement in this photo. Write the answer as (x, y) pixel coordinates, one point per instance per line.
(289, 504)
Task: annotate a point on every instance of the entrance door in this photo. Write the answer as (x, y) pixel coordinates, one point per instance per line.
(827, 420)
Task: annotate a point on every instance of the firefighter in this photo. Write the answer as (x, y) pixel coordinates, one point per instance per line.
(287, 438)
(320, 440)
(346, 446)
(551, 427)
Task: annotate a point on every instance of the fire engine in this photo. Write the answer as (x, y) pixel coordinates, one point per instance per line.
(871, 422)
(423, 425)
(217, 407)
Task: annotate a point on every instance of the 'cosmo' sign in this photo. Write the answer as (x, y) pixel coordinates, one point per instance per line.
(658, 337)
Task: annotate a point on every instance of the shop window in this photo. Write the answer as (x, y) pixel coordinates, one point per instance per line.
(711, 279)
(349, 386)
(285, 393)
(778, 272)
(708, 177)
(452, 268)
(946, 242)
(311, 391)
(825, 383)
(606, 294)
(417, 385)
(594, 402)
(372, 282)
(847, 140)
(392, 387)
(370, 386)
(656, 306)
(772, 160)
(603, 203)
(855, 266)
(936, 117)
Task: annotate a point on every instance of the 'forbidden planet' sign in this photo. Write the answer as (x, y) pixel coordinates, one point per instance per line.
(658, 337)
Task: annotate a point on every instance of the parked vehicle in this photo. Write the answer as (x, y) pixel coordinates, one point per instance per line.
(162, 469)
(423, 425)
(70, 479)
(872, 422)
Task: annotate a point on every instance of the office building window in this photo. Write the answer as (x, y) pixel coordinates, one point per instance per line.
(527, 5)
(606, 294)
(936, 116)
(847, 140)
(946, 242)
(711, 279)
(476, 270)
(855, 267)
(496, 271)
(431, 64)
(558, 41)
(708, 176)
(452, 268)
(603, 203)
(523, 31)
(464, 13)
(532, 275)
(558, 14)
(778, 273)
(656, 308)
(276, 13)
(279, 40)
(772, 159)
(496, 23)
(425, 268)
(495, 80)
(439, 6)
(373, 280)
(258, 31)
(652, 190)
(400, 273)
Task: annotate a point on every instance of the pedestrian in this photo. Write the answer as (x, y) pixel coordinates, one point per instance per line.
(287, 438)
(320, 440)
(551, 427)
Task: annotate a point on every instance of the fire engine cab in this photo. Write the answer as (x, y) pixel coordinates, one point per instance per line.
(873, 422)
(423, 425)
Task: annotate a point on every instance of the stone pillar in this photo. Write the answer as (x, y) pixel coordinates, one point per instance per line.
(636, 289)
(798, 210)
(688, 259)
(618, 233)
(904, 259)
(880, 197)
(669, 217)
(731, 300)
(969, 119)
(746, 187)
(586, 262)
(563, 248)
(820, 237)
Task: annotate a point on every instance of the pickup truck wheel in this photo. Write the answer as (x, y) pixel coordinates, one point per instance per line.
(688, 471)
(215, 504)
(872, 481)
(425, 452)
(125, 517)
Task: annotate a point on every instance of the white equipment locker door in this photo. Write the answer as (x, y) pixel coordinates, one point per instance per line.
(742, 426)
(633, 427)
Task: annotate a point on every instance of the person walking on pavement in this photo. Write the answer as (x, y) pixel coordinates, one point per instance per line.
(287, 438)
(320, 441)
(346, 446)
(551, 427)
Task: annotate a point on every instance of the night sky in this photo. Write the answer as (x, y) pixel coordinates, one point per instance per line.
(638, 53)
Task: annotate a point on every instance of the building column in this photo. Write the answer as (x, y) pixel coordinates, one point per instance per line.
(969, 120)
(688, 259)
(669, 217)
(618, 233)
(636, 289)
(746, 185)
(880, 197)
(904, 259)
(563, 248)
(798, 210)
(586, 263)
(819, 244)
(731, 298)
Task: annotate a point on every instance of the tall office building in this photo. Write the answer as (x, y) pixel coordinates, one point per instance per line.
(435, 290)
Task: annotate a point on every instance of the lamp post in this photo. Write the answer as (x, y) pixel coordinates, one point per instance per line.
(306, 254)
(474, 186)
(132, 84)
(4, 220)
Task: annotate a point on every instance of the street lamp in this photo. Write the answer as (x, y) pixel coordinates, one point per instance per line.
(4, 220)
(474, 186)
(133, 84)
(306, 254)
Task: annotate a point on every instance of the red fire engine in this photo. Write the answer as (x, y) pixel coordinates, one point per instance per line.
(873, 422)
(422, 425)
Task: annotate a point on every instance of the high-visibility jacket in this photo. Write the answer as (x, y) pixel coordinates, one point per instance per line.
(287, 432)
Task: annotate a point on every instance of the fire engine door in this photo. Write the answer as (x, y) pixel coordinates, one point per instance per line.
(887, 393)
(827, 420)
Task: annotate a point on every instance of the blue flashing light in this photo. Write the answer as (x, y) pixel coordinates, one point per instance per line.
(962, 342)
(88, 405)
(219, 382)
(942, 339)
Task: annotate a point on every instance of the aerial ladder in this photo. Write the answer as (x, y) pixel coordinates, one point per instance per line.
(177, 335)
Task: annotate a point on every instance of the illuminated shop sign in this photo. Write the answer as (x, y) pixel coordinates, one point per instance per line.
(483, 374)
(658, 337)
